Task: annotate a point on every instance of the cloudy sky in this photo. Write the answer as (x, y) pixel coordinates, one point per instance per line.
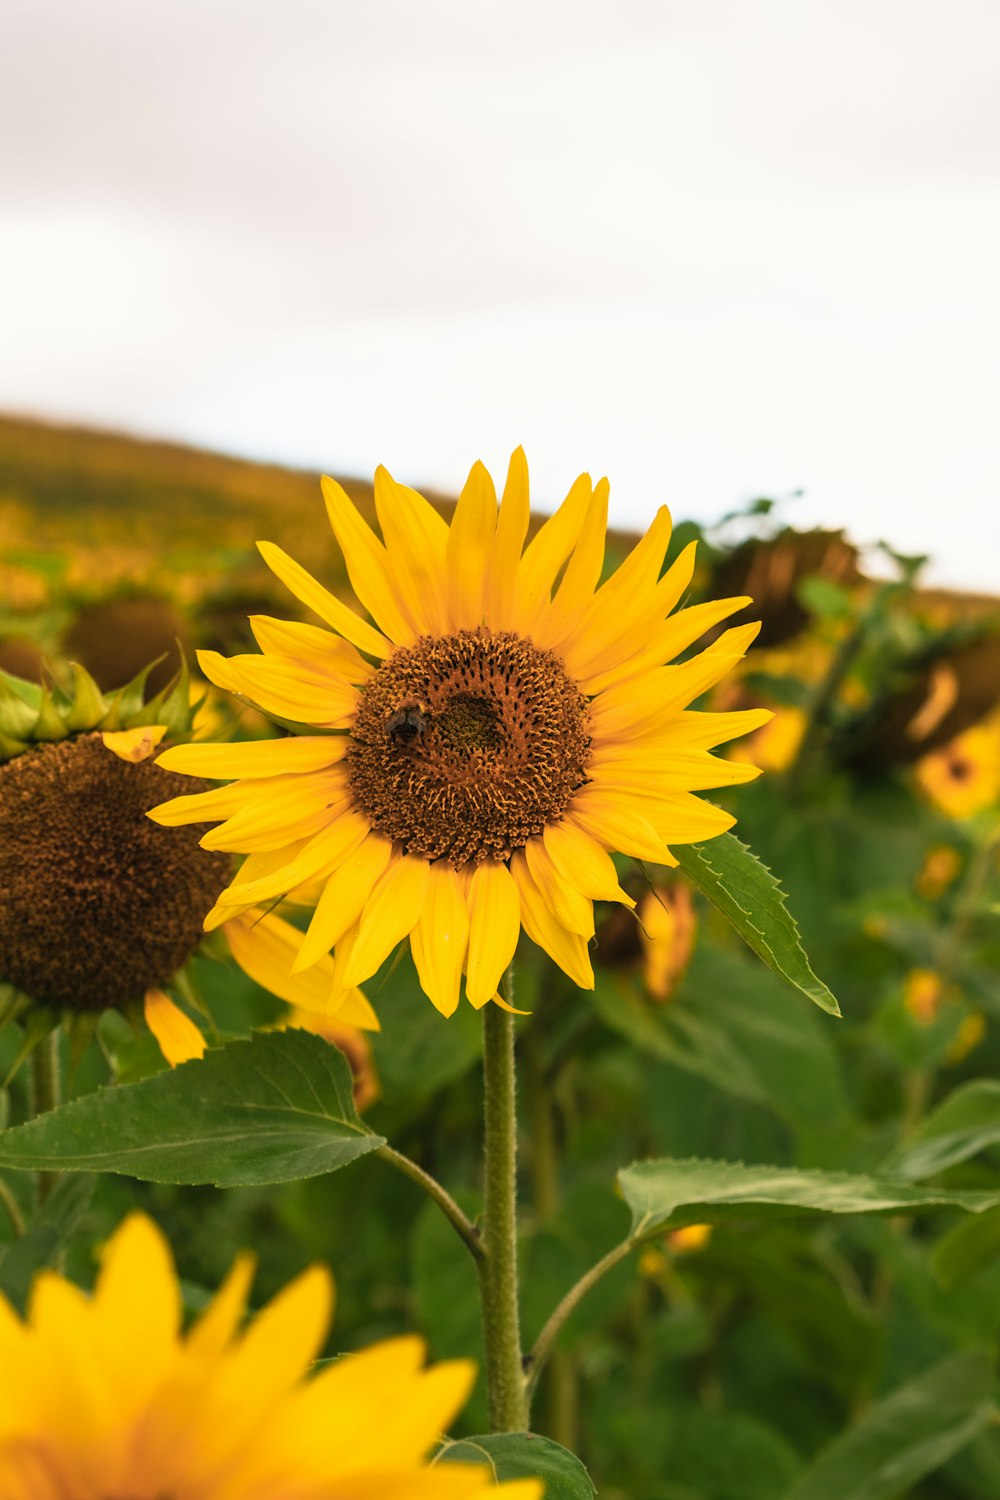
(718, 250)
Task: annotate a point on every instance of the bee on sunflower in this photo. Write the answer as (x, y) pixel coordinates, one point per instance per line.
(98, 908)
(465, 760)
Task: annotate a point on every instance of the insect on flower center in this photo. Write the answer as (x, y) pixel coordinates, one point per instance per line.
(467, 745)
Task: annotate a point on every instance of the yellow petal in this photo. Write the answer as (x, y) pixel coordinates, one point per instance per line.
(179, 1038)
(625, 606)
(367, 563)
(390, 915)
(286, 686)
(134, 744)
(582, 575)
(470, 538)
(313, 805)
(440, 938)
(505, 553)
(494, 927)
(318, 856)
(654, 768)
(568, 906)
(568, 949)
(310, 643)
(137, 1296)
(416, 539)
(253, 758)
(344, 621)
(664, 644)
(616, 823)
(342, 901)
(548, 550)
(657, 697)
(219, 1323)
(581, 860)
(682, 819)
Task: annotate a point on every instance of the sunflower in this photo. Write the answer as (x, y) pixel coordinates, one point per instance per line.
(465, 761)
(962, 778)
(105, 1395)
(100, 910)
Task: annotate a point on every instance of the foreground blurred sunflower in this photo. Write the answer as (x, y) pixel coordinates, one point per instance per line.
(98, 909)
(505, 723)
(104, 1396)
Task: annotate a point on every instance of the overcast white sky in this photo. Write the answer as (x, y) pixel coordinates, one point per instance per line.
(713, 250)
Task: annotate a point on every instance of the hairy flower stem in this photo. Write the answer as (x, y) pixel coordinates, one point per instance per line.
(46, 1094)
(498, 1267)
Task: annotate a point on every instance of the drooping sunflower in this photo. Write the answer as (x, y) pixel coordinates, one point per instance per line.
(105, 1396)
(99, 909)
(465, 760)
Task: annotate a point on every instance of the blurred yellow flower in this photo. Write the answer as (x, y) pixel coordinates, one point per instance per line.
(504, 724)
(923, 992)
(774, 745)
(692, 1237)
(667, 926)
(941, 864)
(963, 777)
(105, 1396)
(970, 1033)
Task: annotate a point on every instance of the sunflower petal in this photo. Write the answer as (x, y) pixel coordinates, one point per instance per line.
(470, 538)
(439, 940)
(179, 1038)
(367, 563)
(305, 588)
(494, 927)
(390, 914)
(567, 949)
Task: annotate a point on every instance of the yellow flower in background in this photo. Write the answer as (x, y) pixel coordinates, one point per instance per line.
(971, 1032)
(505, 722)
(940, 867)
(963, 777)
(667, 926)
(775, 744)
(923, 993)
(105, 1396)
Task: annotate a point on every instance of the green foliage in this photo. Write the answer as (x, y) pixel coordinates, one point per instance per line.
(909, 1434)
(746, 892)
(274, 1109)
(523, 1455)
(669, 1194)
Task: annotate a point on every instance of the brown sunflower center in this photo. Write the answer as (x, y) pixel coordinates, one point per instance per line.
(466, 745)
(97, 903)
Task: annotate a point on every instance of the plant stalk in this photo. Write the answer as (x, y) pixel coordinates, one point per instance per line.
(463, 1226)
(575, 1295)
(46, 1094)
(498, 1266)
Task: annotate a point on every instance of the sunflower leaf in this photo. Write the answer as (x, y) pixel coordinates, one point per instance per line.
(524, 1455)
(668, 1194)
(746, 893)
(276, 1108)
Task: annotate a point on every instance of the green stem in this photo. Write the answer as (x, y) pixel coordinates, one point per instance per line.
(575, 1295)
(498, 1267)
(12, 1208)
(46, 1094)
(463, 1226)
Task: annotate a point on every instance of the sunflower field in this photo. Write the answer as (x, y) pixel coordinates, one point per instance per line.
(487, 1001)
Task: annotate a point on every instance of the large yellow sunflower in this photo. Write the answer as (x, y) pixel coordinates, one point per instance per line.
(505, 722)
(105, 1396)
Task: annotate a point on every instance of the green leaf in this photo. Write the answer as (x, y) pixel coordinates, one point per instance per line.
(524, 1455)
(966, 1249)
(907, 1435)
(44, 1237)
(963, 1124)
(749, 896)
(274, 1109)
(668, 1194)
(736, 1025)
